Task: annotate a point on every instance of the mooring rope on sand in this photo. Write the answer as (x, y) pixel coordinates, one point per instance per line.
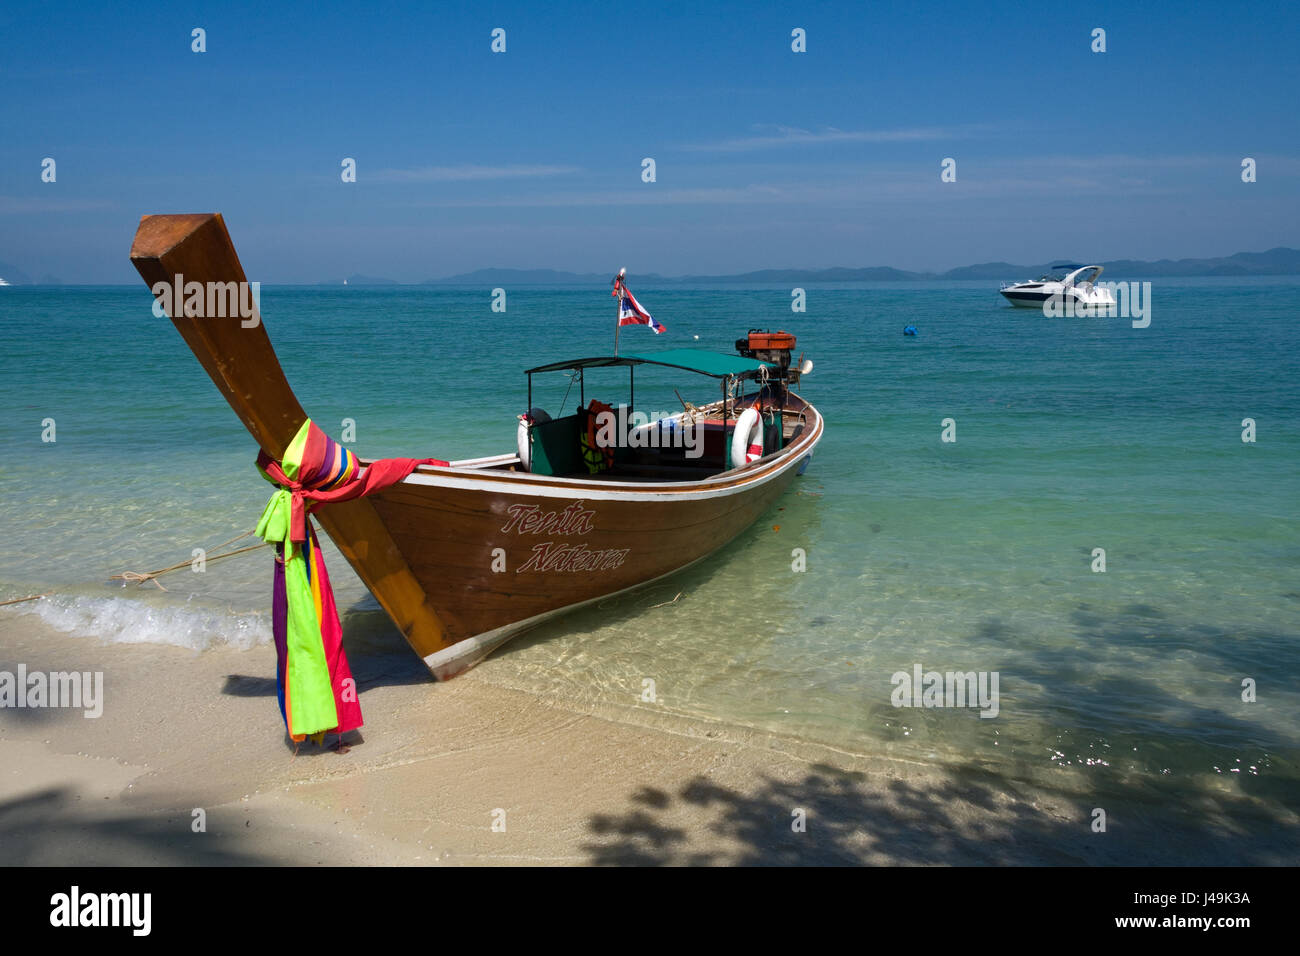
(140, 578)
(30, 597)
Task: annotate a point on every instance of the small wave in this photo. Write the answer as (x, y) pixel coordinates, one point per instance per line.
(117, 620)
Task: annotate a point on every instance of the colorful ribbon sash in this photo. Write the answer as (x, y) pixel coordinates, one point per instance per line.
(315, 686)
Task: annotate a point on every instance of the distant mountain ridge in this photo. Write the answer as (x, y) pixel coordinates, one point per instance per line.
(526, 277)
(1280, 261)
(13, 275)
(1275, 262)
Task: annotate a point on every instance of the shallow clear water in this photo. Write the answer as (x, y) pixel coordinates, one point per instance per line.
(1072, 434)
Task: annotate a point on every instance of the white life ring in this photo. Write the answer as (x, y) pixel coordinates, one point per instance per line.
(523, 445)
(747, 447)
(535, 416)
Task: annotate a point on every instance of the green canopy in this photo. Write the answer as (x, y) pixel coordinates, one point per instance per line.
(715, 364)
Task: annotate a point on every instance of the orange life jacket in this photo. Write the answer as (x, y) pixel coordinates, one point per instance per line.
(595, 456)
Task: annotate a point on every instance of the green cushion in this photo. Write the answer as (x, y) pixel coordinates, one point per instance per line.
(555, 447)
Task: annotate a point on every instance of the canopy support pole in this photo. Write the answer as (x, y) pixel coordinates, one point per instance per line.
(726, 404)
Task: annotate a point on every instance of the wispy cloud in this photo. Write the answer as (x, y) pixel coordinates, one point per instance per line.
(1155, 165)
(722, 195)
(1018, 178)
(891, 183)
(770, 137)
(469, 173)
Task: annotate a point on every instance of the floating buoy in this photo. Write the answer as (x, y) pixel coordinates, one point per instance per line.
(910, 330)
(523, 443)
(747, 439)
(523, 446)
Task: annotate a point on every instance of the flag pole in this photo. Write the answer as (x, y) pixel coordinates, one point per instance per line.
(618, 305)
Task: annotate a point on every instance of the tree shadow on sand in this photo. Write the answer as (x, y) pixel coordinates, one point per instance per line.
(54, 827)
(960, 818)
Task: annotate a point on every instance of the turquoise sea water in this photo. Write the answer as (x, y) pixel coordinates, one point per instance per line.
(1072, 434)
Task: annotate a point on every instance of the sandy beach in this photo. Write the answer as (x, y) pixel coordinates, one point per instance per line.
(437, 764)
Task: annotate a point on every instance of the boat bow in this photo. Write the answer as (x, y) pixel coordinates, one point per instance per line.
(173, 251)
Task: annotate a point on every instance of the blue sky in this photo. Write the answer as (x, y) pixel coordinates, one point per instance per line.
(532, 158)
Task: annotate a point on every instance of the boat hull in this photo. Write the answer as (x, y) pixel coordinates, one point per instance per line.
(1026, 300)
(1035, 300)
(497, 554)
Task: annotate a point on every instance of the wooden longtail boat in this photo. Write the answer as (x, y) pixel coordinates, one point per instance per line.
(466, 556)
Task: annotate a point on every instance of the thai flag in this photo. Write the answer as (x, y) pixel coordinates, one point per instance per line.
(630, 311)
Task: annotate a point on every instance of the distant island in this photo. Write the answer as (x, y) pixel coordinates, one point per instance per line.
(1282, 261)
(12, 275)
(1274, 262)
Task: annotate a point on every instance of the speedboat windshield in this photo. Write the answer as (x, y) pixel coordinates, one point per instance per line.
(1083, 275)
(1058, 273)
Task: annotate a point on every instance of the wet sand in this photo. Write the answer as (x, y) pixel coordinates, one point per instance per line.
(437, 765)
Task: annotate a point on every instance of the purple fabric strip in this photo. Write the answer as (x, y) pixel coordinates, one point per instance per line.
(279, 627)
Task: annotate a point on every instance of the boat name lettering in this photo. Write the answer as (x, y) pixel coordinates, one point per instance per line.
(530, 519)
(550, 556)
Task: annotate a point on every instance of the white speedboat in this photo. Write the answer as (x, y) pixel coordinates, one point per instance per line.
(1077, 284)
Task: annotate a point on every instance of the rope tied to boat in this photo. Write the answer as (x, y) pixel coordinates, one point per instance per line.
(139, 578)
(30, 597)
